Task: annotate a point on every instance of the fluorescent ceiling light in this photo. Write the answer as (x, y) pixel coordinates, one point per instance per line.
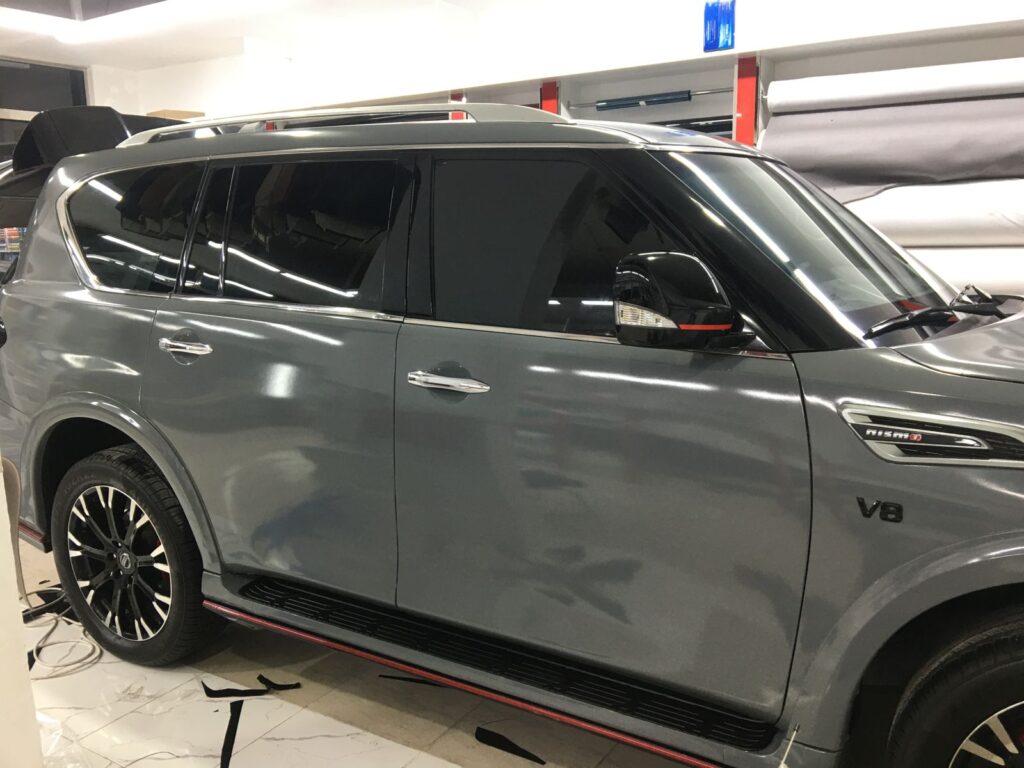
(35, 23)
(135, 22)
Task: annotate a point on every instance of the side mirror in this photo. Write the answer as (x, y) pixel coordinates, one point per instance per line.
(672, 300)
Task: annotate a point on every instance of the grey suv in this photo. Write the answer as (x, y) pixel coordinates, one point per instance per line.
(622, 425)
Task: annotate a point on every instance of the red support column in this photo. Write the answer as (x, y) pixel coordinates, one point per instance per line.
(455, 97)
(745, 120)
(549, 96)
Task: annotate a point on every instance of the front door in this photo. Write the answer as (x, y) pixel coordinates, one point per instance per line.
(271, 371)
(641, 509)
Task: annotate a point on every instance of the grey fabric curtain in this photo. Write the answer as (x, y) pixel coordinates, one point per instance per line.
(855, 153)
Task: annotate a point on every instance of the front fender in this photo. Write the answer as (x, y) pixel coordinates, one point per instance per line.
(100, 408)
(820, 699)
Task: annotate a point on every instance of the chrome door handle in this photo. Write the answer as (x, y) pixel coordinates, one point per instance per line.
(433, 381)
(176, 347)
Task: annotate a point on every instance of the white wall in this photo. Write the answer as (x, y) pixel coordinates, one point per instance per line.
(380, 53)
(114, 87)
(897, 56)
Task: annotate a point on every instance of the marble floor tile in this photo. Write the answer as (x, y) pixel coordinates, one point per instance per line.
(410, 713)
(560, 746)
(63, 753)
(312, 740)
(95, 697)
(624, 756)
(185, 727)
(423, 760)
(240, 654)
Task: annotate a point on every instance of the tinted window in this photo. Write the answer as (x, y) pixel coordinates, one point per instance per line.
(531, 244)
(202, 273)
(131, 225)
(856, 275)
(309, 233)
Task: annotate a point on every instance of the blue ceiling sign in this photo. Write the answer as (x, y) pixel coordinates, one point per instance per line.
(719, 25)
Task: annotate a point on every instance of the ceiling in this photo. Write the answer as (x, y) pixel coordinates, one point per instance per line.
(154, 34)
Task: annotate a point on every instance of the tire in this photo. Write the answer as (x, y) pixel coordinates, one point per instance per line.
(965, 709)
(137, 592)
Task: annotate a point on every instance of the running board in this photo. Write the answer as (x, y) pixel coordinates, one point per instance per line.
(514, 662)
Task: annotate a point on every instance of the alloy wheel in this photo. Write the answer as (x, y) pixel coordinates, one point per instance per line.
(998, 741)
(119, 562)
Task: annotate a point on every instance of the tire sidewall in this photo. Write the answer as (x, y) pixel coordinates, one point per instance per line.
(91, 472)
(949, 714)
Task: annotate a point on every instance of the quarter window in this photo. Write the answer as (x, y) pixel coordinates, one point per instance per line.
(131, 225)
(309, 232)
(531, 244)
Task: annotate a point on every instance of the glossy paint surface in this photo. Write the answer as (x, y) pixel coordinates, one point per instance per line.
(993, 352)
(961, 530)
(286, 430)
(642, 509)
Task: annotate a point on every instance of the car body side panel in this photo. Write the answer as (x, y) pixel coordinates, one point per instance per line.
(287, 429)
(643, 509)
(91, 405)
(963, 526)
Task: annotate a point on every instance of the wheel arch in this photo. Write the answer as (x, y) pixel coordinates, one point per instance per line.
(897, 625)
(50, 451)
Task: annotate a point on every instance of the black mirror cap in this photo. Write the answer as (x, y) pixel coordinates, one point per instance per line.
(692, 309)
(3, 333)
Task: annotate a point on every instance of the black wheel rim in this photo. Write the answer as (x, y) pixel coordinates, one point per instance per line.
(998, 741)
(119, 563)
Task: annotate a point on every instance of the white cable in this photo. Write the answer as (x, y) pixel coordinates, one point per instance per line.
(70, 663)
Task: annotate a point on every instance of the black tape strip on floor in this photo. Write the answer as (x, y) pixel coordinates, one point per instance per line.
(232, 731)
(416, 680)
(270, 685)
(505, 744)
(245, 693)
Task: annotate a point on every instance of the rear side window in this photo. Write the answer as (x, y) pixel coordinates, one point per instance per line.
(131, 225)
(531, 244)
(309, 232)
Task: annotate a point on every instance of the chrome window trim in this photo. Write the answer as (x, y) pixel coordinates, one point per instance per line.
(75, 250)
(315, 309)
(857, 414)
(583, 337)
(510, 331)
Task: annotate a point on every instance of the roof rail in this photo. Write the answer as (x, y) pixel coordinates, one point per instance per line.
(481, 113)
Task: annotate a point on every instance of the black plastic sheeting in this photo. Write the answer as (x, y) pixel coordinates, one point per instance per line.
(856, 153)
(58, 133)
(50, 137)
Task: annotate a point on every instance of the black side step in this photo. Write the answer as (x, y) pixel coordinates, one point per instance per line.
(545, 671)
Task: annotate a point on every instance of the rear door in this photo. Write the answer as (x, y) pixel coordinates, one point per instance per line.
(271, 370)
(644, 510)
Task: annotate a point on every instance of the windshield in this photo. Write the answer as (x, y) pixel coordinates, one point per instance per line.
(856, 274)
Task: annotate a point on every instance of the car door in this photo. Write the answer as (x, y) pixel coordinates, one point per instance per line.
(271, 369)
(645, 510)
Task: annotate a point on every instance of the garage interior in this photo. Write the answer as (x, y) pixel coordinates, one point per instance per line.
(909, 114)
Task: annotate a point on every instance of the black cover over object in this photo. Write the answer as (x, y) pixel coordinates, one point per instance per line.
(50, 137)
(57, 133)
